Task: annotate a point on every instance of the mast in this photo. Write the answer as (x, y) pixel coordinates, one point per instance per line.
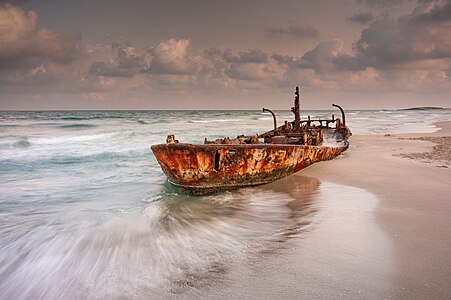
(297, 111)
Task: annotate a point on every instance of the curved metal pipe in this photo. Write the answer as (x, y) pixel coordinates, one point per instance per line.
(273, 117)
(342, 113)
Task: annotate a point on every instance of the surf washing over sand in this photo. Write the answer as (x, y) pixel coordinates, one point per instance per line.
(85, 212)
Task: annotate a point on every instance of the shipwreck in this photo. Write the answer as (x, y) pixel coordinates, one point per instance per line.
(226, 163)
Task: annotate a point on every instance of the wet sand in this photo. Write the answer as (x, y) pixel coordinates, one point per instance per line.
(405, 254)
(412, 178)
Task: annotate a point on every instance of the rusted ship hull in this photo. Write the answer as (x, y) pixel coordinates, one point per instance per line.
(243, 161)
(205, 169)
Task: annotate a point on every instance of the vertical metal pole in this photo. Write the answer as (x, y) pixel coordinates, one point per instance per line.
(297, 111)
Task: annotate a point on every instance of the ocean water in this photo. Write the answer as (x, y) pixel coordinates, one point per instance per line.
(86, 212)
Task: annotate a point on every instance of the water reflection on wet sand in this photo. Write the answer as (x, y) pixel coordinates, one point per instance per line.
(213, 234)
(178, 245)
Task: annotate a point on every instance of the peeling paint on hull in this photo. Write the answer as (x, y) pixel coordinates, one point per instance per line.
(245, 161)
(205, 169)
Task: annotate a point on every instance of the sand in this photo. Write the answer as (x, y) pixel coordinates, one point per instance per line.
(400, 249)
(413, 180)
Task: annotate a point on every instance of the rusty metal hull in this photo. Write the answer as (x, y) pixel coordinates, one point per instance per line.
(205, 169)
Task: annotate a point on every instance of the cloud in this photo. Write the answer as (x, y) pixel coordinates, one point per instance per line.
(389, 42)
(127, 63)
(253, 56)
(433, 11)
(381, 3)
(248, 71)
(293, 30)
(321, 58)
(22, 45)
(418, 40)
(171, 57)
(408, 55)
(283, 59)
(362, 18)
(250, 56)
(169, 65)
(252, 65)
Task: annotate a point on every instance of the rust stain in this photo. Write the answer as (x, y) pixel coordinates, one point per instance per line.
(245, 161)
(194, 168)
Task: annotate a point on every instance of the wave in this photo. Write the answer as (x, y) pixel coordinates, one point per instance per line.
(77, 126)
(68, 139)
(95, 159)
(45, 124)
(73, 118)
(213, 121)
(91, 117)
(61, 116)
(22, 143)
(9, 126)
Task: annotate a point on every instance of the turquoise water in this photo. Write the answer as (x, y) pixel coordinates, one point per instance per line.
(85, 209)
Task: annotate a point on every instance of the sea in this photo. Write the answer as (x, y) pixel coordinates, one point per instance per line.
(87, 213)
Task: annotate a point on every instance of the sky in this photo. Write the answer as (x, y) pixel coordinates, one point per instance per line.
(211, 54)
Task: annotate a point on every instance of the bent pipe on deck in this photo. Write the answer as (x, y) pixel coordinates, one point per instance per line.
(342, 113)
(273, 117)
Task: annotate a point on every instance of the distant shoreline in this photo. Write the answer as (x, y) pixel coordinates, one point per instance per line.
(425, 108)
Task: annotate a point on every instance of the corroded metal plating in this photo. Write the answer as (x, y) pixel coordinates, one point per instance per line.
(203, 169)
(251, 160)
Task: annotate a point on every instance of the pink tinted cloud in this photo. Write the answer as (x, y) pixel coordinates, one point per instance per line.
(23, 46)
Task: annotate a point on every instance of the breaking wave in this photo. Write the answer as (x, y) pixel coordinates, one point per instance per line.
(52, 140)
(22, 143)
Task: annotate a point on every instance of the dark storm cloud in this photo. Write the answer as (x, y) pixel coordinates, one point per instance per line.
(293, 30)
(23, 46)
(362, 18)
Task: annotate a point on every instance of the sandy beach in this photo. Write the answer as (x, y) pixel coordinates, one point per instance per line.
(415, 204)
(405, 254)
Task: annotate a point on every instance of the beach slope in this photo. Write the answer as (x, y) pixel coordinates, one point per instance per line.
(412, 178)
